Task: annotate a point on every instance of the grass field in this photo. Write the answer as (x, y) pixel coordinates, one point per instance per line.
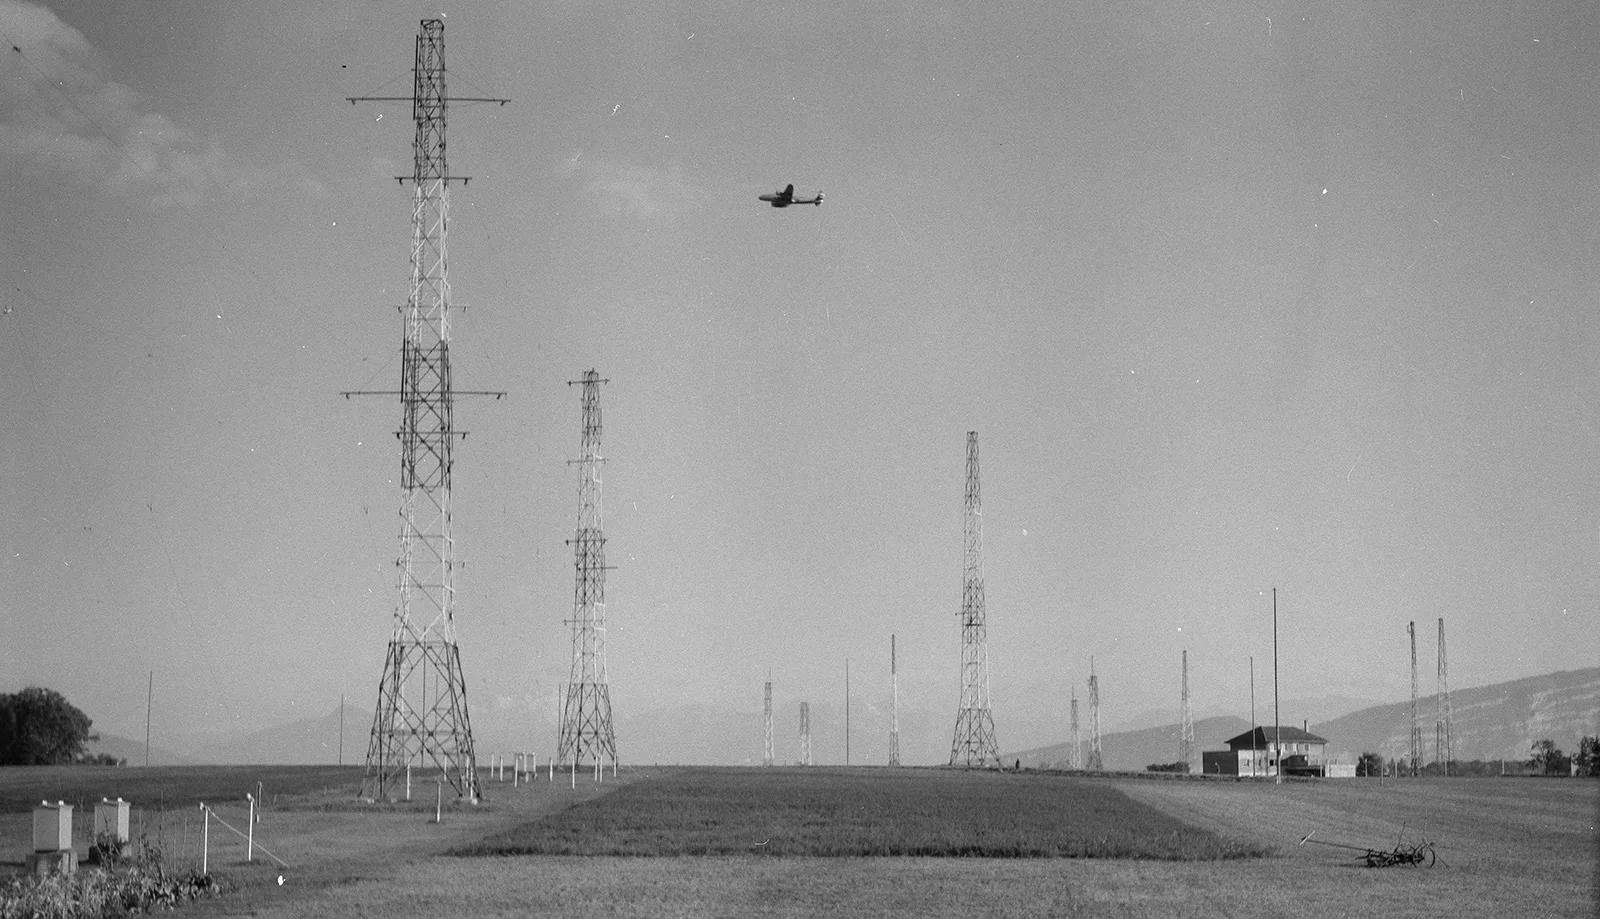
(865, 812)
(1511, 848)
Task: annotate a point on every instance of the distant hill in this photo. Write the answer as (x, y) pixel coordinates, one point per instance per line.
(1487, 722)
(1134, 750)
(133, 751)
(310, 741)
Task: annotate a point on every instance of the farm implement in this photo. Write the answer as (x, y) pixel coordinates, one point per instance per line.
(1420, 853)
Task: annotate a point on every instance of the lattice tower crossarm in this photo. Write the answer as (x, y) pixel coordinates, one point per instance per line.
(586, 727)
(421, 717)
(974, 742)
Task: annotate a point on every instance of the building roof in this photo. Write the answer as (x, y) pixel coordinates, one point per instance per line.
(1262, 736)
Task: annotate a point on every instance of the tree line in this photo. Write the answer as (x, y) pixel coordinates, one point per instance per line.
(1544, 758)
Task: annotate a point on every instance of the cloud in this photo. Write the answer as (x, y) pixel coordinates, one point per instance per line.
(660, 195)
(61, 113)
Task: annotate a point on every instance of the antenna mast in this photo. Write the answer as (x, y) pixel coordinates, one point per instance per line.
(586, 731)
(1416, 730)
(805, 733)
(894, 708)
(1095, 764)
(421, 716)
(1186, 729)
(974, 743)
(1442, 740)
(1077, 746)
(767, 757)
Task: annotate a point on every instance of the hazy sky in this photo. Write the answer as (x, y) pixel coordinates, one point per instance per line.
(1237, 295)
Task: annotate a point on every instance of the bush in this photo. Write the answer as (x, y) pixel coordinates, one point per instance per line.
(119, 887)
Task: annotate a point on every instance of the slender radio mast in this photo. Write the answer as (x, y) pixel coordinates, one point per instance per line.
(1076, 762)
(1094, 764)
(1416, 730)
(805, 733)
(586, 732)
(894, 708)
(974, 743)
(1442, 741)
(767, 755)
(1186, 729)
(421, 716)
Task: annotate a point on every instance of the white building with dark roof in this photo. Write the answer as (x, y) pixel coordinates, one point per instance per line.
(1266, 750)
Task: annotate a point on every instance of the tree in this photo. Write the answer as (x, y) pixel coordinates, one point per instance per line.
(39, 727)
(1369, 764)
(1588, 758)
(1546, 758)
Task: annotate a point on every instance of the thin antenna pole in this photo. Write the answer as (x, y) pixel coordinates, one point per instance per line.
(1416, 731)
(1186, 727)
(1277, 720)
(1442, 742)
(894, 708)
(766, 757)
(149, 699)
(1096, 760)
(1076, 762)
(341, 729)
(847, 711)
(1254, 756)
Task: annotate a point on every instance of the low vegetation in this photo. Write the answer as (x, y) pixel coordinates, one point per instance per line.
(117, 887)
(842, 812)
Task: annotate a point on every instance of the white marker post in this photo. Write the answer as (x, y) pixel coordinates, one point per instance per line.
(205, 840)
(250, 838)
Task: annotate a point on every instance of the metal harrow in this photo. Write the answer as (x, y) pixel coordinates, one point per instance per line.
(1420, 853)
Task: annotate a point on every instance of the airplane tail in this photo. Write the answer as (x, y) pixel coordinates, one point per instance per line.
(818, 202)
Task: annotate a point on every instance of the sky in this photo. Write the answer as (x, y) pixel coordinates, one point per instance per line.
(1237, 295)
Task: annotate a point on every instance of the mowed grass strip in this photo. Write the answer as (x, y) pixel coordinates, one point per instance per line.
(860, 812)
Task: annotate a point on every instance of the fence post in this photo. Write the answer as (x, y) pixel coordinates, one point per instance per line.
(205, 840)
(250, 838)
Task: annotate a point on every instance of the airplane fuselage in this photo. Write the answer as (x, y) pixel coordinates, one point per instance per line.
(786, 197)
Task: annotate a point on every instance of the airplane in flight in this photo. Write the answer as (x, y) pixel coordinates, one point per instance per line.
(786, 197)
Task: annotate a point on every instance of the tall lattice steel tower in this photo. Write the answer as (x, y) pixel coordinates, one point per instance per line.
(1076, 762)
(1442, 744)
(974, 743)
(1095, 763)
(421, 718)
(1416, 729)
(766, 759)
(1186, 728)
(586, 733)
(805, 733)
(894, 708)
